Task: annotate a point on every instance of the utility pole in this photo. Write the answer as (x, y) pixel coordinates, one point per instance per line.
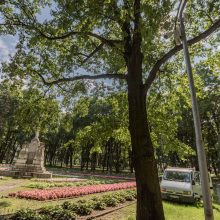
(207, 201)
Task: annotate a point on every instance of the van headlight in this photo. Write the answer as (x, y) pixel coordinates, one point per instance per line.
(187, 192)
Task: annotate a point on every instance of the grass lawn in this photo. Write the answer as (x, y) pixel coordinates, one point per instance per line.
(173, 211)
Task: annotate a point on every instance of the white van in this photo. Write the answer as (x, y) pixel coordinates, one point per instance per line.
(181, 184)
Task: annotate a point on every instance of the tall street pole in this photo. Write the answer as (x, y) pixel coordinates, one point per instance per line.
(207, 201)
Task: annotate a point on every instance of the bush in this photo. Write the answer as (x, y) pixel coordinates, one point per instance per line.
(81, 201)
(57, 213)
(70, 206)
(26, 214)
(129, 197)
(81, 208)
(95, 198)
(120, 197)
(110, 201)
(99, 205)
(67, 205)
(132, 193)
(65, 214)
(49, 210)
(84, 209)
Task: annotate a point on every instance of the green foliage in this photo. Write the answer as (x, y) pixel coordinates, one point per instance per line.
(84, 208)
(25, 214)
(110, 201)
(66, 205)
(90, 37)
(92, 181)
(57, 212)
(99, 205)
(70, 206)
(23, 111)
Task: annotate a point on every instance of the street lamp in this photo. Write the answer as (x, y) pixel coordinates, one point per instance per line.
(207, 201)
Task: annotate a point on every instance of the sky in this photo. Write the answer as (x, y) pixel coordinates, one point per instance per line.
(7, 46)
(8, 42)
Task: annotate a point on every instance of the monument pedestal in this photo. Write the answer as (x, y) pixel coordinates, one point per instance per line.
(29, 162)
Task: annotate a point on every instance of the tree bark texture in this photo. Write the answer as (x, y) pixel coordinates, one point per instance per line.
(149, 203)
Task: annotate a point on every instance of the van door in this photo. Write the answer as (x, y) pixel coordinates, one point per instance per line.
(197, 189)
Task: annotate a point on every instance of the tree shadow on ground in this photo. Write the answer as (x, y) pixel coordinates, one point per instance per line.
(4, 204)
(216, 208)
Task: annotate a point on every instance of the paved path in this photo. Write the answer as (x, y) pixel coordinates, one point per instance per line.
(10, 185)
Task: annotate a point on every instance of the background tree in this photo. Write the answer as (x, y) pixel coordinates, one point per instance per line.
(23, 111)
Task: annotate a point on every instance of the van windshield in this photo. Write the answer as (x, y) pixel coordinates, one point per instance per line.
(178, 176)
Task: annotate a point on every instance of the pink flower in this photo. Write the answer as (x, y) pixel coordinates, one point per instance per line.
(49, 194)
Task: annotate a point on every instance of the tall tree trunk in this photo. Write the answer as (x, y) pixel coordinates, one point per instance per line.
(110, 155)
(71, 157)
(93, 161)
(82, 161)
(117, 149)
(149, 203)
(131, 164)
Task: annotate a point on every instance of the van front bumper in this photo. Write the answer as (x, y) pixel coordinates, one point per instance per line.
(178, 197)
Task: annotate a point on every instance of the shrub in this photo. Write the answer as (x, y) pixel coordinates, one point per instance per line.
(133, 193)
(81, 201)
(99, 205)
(129, 197)
(65, 214)
(49, 210)
(69, 206)
(110, 201)
(120, 197)
(25, 214)
(84, 209)
(57, 213)
(95, 198)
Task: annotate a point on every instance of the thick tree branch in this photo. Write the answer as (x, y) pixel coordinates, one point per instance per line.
(110, 42)
(98, 48)
(153, 73)
(82, 77)
(32, 26)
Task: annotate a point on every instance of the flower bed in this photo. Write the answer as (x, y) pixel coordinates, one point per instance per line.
(98, 175)
(67, 192)
(51, 184)
(73, 211)
(58, 180)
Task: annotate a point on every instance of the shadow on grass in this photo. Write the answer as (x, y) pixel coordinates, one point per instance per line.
(197, 204)
(216, 208)
(4, 204)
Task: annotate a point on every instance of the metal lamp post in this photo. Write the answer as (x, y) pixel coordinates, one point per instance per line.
(207, 201)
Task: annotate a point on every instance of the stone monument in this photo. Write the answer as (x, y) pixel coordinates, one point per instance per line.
(29, 162)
